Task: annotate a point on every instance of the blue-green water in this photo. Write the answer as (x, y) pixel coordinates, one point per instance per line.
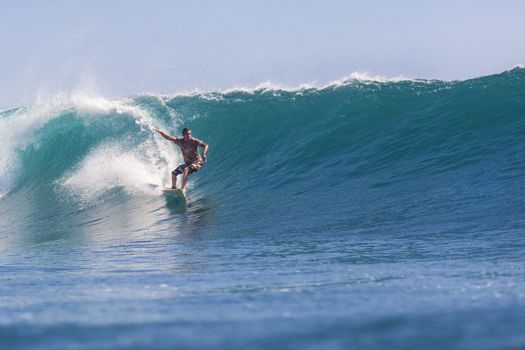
(366, 215)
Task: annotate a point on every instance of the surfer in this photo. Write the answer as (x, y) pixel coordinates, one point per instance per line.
(193, 160)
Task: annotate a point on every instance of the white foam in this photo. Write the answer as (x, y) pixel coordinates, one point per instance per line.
(114, 165)
(269, 86)
(216, 94)
(17, 132)
(367, 77)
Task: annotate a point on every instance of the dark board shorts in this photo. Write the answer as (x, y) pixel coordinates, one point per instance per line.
(194, 167)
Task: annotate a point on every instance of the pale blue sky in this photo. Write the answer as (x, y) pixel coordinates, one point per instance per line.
(126, 47)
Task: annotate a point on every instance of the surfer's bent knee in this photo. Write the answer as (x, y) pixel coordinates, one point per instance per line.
(186, 168)
(177, 171)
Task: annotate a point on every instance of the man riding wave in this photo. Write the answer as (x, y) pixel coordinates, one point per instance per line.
(193, 160)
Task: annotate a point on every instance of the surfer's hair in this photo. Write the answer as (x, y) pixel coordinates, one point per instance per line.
(186, 130)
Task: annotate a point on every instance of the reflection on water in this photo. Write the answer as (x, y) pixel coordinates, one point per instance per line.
(199, 216)
(49, 228)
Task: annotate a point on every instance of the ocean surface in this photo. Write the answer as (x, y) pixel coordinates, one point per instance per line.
(365, 214)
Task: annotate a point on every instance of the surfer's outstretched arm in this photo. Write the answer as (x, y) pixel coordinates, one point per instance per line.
(165, 135)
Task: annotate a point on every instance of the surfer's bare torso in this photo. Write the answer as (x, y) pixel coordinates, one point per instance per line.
(190, 149)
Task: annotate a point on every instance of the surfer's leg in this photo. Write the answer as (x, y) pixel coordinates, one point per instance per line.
(173, 180)
(185, 174)
(174, 174)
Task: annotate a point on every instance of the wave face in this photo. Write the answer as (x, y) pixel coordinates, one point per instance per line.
(352, 155)
(312, 201)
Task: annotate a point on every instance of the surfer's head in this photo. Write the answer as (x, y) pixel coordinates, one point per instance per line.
(186, 133)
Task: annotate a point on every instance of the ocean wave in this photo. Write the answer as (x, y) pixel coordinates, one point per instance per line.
(366, 129)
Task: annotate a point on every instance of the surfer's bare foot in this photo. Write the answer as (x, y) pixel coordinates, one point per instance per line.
(173, 187)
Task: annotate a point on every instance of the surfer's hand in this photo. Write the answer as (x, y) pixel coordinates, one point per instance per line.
(204, 157)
